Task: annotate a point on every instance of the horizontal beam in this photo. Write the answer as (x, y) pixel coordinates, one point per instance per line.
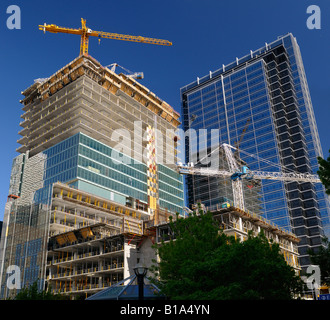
(260, 175)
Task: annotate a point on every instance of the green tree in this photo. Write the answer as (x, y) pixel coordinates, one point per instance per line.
(324, 172)
(203, 263)
(33, 293)
(322, 259)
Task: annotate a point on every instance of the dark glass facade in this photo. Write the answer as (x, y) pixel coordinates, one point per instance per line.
(261, 102)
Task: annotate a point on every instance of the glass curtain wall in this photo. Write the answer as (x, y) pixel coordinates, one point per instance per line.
(261, 104)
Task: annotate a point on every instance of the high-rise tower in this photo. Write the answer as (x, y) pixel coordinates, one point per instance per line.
(88, 161)
(261, 103)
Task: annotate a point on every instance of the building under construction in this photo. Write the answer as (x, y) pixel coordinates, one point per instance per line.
(239, 224)
(105, 248)
(88, 157)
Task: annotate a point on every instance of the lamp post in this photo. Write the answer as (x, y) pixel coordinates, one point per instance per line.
(140, 272)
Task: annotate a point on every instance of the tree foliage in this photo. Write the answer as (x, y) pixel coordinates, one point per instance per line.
(322, 259)
(203, 263)
(33, 293)
(324, 172)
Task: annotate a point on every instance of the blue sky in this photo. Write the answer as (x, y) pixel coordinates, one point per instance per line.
(205, 35)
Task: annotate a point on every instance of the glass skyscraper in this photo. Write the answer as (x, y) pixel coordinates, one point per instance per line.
(261, 104)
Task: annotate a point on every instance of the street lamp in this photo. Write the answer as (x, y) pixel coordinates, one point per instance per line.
(140, 272)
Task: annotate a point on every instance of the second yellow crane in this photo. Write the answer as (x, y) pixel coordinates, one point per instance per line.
(85, 33)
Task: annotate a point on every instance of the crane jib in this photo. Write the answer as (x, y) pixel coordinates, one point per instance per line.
(85, 32)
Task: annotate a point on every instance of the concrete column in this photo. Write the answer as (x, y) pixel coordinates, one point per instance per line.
(240, 223)
(130, 259)
(147, 253)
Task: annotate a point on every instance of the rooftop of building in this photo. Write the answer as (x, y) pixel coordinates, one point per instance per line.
(237, 63)
(86, 97)
(45, 87)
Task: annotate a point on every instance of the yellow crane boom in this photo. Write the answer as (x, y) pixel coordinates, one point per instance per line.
(85, 33)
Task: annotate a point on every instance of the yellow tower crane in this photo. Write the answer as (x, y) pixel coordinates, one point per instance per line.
(85, 33)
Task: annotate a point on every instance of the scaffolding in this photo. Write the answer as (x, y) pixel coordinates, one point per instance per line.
(89, 238)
